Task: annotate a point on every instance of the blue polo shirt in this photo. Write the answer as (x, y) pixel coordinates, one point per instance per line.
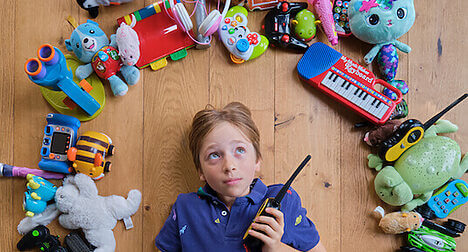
(201, 222)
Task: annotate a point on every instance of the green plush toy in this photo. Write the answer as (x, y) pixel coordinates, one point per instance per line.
(424, 167)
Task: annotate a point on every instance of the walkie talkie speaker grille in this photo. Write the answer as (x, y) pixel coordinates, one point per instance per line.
(316, 60)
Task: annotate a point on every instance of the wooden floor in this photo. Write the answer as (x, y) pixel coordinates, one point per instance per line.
(149, 125)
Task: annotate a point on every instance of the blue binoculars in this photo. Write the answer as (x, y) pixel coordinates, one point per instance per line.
(50, 71)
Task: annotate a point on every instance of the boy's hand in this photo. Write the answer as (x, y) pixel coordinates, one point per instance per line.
(272, 228)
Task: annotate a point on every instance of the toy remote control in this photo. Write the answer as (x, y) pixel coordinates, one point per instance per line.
(448, 199)
(40, 237)
(238, 39)
(340, 16)
(60, 134)
(277, 26)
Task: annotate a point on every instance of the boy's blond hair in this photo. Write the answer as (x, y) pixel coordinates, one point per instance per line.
(205, 120)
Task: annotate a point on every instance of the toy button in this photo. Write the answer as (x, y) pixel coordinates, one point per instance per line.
(57, 128)
(46, 141)
(439, 203)
(343, 17)
(455, 194)
(63, 128)
(284, 7)
(35, 233)
(231, 40)
(339, 3)
(336, 16)
(446, 200)
(224, 213)
(239, 19)
(51, 155)
(436, 199)
(462, 188)
(442, 207)
(454, 201)
(345, 4)
(224, 27)
(447, 193)
(445, 211)
(337, 9)
(344, 11)
(233, 23)
(57, 156)
(285, 38)
(227, 20)
(242, 45)
(231, 31)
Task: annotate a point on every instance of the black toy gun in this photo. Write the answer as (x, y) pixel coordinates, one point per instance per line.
(41, 238)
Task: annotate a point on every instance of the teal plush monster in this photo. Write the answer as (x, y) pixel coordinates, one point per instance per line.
(382, 22)
(421, 169)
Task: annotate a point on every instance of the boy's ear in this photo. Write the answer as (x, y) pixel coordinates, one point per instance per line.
(257, 165)
(202, 177)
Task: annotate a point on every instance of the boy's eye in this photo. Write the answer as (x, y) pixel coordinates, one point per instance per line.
(213, 155)
(240, 150)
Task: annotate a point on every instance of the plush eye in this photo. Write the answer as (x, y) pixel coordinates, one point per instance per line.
(373, 19)
(401, 13)
(91, 31)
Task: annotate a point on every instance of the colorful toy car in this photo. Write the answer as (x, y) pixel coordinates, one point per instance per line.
(426, 239)
(39, 192)
(88, 156)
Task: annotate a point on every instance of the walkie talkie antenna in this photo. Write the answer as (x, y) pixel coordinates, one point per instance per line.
(286, 186)
(441, 113)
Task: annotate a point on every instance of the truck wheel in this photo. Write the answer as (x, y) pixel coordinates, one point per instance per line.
(425, 211)
(107, 166)
(111, 150)
(456, 226)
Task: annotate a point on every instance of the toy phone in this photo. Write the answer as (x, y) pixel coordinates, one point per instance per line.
(409, 133)
(340, 16)
(449, 198)
(60, 134)
(254, 243)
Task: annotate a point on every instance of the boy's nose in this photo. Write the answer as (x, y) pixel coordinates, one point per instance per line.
(229, 163)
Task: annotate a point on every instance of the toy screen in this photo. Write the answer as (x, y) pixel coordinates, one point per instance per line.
(59, 143)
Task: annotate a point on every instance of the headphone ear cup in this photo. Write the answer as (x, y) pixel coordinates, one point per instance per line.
(183, 16)
(210, 24)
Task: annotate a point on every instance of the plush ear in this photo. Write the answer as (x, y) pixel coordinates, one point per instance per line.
(68, 44)
(86, 185)
(357, 5)
(92, 22)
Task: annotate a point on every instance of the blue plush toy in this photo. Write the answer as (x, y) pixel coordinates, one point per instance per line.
(91, 45)
(382, 22)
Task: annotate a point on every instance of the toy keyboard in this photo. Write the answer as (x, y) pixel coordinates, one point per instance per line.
(159, 35)
(346, 81)
(449, 198)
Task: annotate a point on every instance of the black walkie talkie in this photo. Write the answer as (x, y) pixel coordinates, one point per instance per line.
(408, 134)
(254, 243)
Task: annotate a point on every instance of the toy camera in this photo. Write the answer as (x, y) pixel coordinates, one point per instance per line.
(59, 135)
(39, 192)
(50, 71)
(88, 156)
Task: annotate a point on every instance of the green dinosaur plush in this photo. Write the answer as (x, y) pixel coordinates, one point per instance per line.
(421, 169)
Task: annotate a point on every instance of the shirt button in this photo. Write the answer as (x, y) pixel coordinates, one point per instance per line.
(223, 213)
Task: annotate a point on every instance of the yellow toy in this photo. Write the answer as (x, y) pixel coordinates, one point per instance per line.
(88, 156)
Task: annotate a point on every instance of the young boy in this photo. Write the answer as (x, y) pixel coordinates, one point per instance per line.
(225, 146)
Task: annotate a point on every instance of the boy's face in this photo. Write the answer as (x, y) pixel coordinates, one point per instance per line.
(228, 161)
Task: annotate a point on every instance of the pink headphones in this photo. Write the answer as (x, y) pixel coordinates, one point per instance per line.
(211, 23)
(181, 15)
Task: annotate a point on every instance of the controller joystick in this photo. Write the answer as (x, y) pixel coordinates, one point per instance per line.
(277, 26)
(238, 39)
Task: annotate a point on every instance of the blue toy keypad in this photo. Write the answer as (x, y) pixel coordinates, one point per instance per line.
(340, 16)
(449, 198)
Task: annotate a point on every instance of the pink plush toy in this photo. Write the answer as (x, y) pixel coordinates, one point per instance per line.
(128, 43)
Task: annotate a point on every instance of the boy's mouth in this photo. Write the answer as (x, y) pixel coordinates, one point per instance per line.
(233, 181)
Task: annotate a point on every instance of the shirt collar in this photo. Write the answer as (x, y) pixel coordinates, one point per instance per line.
(257, 191)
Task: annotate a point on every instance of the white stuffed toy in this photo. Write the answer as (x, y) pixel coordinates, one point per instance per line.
(81, 207)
